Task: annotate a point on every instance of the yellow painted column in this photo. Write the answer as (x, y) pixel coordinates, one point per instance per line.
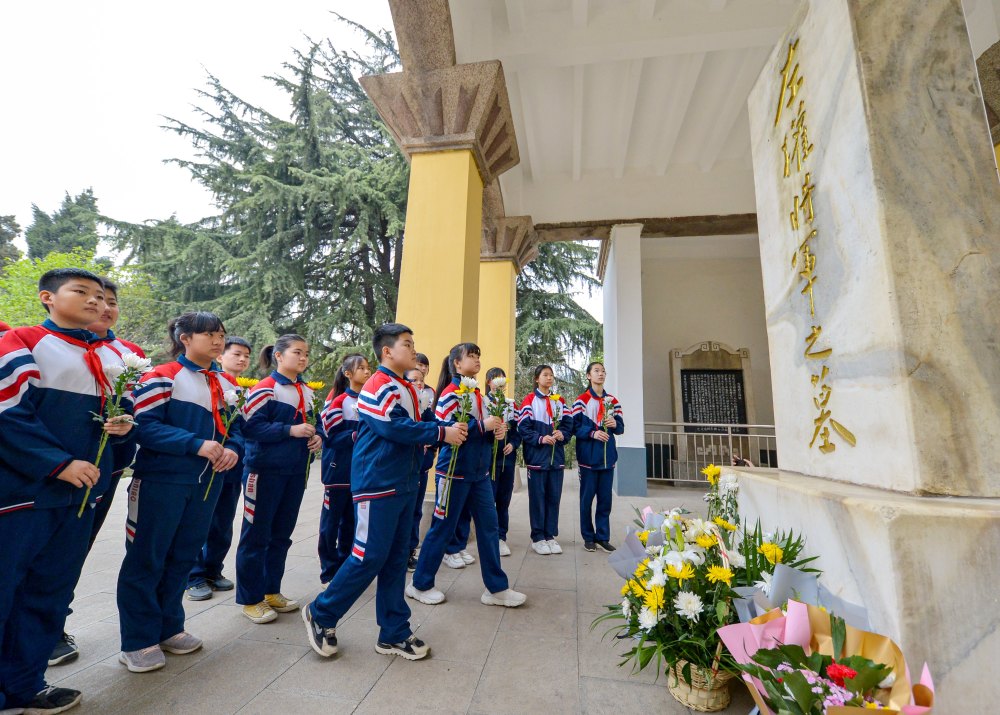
(439, 276)
(497, 323)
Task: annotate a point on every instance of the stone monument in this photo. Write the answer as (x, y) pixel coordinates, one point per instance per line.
(879, 208)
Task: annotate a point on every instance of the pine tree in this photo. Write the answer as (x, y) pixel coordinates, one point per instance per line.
(9, 230)
(72, 226)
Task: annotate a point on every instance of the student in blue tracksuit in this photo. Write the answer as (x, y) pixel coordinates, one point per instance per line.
(340, 427)
(52, 381)
(184, 445)
(545, 426)
(506, 460)
(280, 435)
(469, 484)
(206, 576)
(597, 419)
(384, 476)
(425, 396)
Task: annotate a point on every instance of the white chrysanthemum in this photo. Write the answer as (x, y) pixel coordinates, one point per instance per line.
(425, 401)
(232, 397)
(688, 605)
(693, 554)
(113, 371)
(653, 550)
(736, 560)
(765, 583)
(469, 382)
(626, 608)
(134, 362)
(659, 578)
(728, 484)
(647, 619)
(498, 383)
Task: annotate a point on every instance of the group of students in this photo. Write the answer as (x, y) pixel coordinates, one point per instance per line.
(197, 439)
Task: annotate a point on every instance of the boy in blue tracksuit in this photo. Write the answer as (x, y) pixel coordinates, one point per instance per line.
(597, 419)
(464, 480)
(545, 425)
(384, 477)
(184, 445)
(206, 576)
(340, 426)
(426, 397)
(280, 434)
(52, 382)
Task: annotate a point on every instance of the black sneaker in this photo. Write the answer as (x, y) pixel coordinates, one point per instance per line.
(53, 700)
(606, 546)
(411, 649)
(411, 563)
(323, 640)
(65, 650)
(589, 546)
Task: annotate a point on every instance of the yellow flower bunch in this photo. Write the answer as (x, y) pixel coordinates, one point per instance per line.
(642, 536)
(640, 570)
(246, 382)
(772, 552)
(555, 396)
(719, 521)
(654, 598)
(706, 541)
(720, 573)
(681, 574)
(315, 385)
(712, 473)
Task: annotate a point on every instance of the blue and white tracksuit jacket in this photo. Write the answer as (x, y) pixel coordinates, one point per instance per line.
(340, 425)
(588, 415)
(540, 416)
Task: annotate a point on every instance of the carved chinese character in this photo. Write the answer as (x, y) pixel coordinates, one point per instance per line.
(801, 148)
(811, 339)
(791, 82)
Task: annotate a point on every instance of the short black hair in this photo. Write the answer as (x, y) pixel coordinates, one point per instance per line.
(200, 321)
(422, 360)
(236, 340)
(55, 279)
(109, 285)
(386, 336)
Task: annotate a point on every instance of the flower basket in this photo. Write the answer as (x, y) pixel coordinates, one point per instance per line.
(704, 694)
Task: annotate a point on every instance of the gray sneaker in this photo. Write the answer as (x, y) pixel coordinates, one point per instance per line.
(181, 644)
(222, 584)
(143, 661)
(201, 592)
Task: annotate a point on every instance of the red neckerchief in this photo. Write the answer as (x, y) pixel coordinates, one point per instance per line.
(218, 400)
(301, 409)
(600, 412)
(548, 409)
(413, 396)
(479, 404)
(93, 362)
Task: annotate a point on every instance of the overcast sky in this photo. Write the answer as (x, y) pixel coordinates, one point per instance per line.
(85, 85)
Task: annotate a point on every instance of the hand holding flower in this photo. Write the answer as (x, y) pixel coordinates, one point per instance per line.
(601, 436)
(455, 435)
(226, 461)
(315, 443)
(462, 427)
(212, 451)
(609, 421)
(508, 449)
(80, 474)
(492, 423)
(500, 432)
(302, 431)
(118, 426)
(559, 436)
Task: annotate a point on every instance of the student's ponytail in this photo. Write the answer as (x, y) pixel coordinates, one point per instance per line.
(188, 324)
(351, 363)
(266, 359)
(444, 377)
(448, 371)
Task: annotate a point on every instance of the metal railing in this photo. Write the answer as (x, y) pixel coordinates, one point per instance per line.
(676, 452)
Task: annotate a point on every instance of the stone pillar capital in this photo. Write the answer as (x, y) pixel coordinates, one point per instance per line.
(509, 238)
(459, 107)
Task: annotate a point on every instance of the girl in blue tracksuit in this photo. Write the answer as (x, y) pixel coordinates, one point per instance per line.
(425, 396)
(545, 426)
(180, 412)
(340, 424)
(506, 460)
(280, 435)
(597, 419)
(469, 484)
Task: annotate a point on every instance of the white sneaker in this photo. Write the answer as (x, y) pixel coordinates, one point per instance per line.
(508, 598)
(504, 549)
(554, 546)
(431, 596)
(453, 561)
(541, 547)
(467, 557)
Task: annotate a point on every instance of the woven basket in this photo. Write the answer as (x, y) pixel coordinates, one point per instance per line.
(699, 696)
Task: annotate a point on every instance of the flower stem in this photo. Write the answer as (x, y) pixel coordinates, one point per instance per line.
(97, 463)
(212, 478)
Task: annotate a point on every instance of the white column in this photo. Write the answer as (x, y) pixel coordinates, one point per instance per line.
(623, 352)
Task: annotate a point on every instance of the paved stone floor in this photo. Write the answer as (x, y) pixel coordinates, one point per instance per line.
(540, 658)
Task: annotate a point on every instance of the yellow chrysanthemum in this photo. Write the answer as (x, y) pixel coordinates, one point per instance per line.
(654, 598)
(772, 552)
(728, 526)
(625, 588)
(640, 570)
(555, 396)
(462, 390)
(719, 573)
(246, 381)
(681, 574)
(315, 385)
(642, 536)
(705, 541)
(712, 473)
(637, 589)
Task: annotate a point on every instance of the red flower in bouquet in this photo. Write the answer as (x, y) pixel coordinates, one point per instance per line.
(839, 673)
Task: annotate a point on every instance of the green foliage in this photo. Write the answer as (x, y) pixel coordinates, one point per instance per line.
(9, 230)
(74, 225)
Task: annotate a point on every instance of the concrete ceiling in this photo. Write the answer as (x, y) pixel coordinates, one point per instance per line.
(625, 108)
(635, 108)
